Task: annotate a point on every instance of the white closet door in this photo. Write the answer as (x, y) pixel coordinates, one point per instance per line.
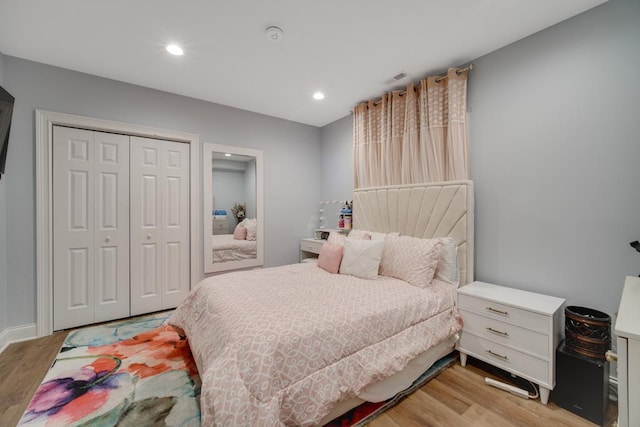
(90, 234)
(175, 232)
(159, 224)
(111, 226)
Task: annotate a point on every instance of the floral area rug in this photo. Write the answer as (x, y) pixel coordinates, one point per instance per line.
(137, 372)
(140, 372)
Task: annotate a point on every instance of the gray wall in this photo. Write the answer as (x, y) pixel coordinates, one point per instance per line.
(291, 150)
(3, 235)
(555, 158)
(337, 160)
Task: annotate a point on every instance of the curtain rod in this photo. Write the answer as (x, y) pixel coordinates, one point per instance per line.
(438, 80)
(458, 72)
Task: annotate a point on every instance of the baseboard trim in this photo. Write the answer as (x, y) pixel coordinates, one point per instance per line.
(17, 334)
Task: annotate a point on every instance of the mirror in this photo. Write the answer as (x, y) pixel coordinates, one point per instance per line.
(233, 195)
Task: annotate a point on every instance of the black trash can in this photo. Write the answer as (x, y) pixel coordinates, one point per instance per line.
(587, 331)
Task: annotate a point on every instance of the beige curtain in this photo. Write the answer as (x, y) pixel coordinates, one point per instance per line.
(418, 135)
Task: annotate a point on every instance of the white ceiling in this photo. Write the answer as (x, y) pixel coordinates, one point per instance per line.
(350, 49)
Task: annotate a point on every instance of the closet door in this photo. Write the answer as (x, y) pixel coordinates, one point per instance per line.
(90, 227)
(159, 224)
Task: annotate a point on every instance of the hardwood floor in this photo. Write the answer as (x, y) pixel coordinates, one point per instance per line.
(22, 367)
(457, 397)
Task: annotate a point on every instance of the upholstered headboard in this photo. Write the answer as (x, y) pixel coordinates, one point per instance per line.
(428, 210)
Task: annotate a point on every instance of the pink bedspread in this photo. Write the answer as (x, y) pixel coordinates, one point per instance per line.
(280, 346)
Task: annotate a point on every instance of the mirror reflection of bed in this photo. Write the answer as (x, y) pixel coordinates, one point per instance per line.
(240, 245)
(232, 183)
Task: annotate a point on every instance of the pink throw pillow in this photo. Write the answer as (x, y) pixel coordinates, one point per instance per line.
(240, 233)
(330, 257)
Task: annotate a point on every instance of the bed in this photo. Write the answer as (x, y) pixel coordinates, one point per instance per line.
(297, 345)
(226, 248)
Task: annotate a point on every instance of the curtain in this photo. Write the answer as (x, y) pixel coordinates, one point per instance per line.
(413, 136)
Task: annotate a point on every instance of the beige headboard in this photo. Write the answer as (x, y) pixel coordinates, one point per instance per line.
(438, 209)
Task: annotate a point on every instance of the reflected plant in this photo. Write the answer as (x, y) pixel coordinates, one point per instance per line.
(239, 211)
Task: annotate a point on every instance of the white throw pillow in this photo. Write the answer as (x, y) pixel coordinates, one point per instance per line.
(252, 229)
(447, 270)
(411, 259)
(362, 257)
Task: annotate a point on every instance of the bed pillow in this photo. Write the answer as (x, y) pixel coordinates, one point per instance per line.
(252, 229)
(240, 233)
(336, 238)
(411, 259)
(362, 257)
(447, 269)
(370, 235)
(330, 257)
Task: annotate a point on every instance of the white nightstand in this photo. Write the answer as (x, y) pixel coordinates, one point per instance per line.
(219, 226)
(515, 330)
(310, 248)
(628, 343)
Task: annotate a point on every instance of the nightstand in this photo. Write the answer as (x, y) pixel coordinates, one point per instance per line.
(310, 248)
(514, 330)
(219, 226)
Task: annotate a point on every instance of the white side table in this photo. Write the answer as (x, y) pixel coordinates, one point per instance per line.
(515, 330)
(310, 248)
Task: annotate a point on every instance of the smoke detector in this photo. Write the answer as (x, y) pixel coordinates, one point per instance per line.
(274, 34)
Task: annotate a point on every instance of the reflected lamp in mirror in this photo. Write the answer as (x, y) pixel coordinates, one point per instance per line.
(232, 183)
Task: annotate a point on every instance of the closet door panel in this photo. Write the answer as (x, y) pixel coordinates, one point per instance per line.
(146, 177)
(160, 224)
(73, 222)
(112, 226)
(176, 223)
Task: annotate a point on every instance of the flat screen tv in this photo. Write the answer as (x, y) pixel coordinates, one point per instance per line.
(6, 112)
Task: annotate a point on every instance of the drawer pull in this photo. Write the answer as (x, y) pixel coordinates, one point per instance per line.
(504, 334)
(494, 310)
(497, 355)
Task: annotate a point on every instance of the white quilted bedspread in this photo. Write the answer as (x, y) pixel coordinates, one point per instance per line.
(280, 346)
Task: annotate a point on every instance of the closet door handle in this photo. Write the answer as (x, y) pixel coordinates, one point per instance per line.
(107, 239)
(149, 236)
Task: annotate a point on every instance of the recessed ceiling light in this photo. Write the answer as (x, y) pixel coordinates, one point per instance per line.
(174, 49)
(318, 95)
(227, 155)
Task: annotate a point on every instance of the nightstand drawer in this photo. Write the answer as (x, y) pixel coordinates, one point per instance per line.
(505, 313)
(313, 246)
(507, 334)
(521, 364)
(219, 225)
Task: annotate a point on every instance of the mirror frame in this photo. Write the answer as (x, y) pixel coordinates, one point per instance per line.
(207, 191)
